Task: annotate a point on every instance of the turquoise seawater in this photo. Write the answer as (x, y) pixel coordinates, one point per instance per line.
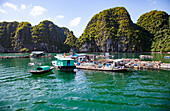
(139, 90)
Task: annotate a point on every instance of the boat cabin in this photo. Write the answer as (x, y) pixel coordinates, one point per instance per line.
(83, 57)
(64, 62)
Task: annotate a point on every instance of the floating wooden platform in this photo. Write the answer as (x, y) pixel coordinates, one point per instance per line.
(103, 69)
(27, 56)
(10, 57)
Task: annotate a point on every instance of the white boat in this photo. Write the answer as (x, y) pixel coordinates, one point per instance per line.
(37, 54)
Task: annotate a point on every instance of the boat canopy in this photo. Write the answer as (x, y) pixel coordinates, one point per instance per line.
(37, 53)
(43, 68)
(75, 55)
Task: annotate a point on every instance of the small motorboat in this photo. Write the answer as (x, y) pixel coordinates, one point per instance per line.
(41, 70)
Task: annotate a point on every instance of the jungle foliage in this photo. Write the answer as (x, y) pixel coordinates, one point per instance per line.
(111, 30)
(157, 23)
(22, 37)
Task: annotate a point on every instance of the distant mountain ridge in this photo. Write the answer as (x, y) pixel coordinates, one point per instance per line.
(158, 24)
(111, 30)
(22, 37)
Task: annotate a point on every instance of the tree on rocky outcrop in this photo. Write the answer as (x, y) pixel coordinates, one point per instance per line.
(157, 23)
(22, 39)
(113, 30)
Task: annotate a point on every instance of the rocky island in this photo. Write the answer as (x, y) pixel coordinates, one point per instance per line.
(111, 30)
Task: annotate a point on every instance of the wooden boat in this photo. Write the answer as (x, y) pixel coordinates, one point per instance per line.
(41, 70)
(64, 64)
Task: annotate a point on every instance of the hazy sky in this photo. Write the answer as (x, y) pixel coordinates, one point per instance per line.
(73, 14)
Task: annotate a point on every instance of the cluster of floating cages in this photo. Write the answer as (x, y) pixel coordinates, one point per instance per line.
(133, 63)
(145, 57)
(144, 64)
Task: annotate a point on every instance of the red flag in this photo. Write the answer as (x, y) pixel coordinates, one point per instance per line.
(64, 54)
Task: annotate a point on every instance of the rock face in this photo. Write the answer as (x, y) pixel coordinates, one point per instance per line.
(7, 33)
(71, 41)
(46, 37)
(22, 40)
(113, 30)
(22, 37)
(157, 23)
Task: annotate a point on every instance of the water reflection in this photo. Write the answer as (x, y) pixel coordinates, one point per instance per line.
(43, 61)
(126, 55)
(66, 76)
(42, 75)
(17, 62)
(109, 79)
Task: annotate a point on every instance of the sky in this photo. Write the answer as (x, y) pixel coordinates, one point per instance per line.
(73, 14)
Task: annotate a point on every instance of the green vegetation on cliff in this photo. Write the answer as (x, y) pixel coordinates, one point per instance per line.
(46, 37)
(157, 23)
(22, 37)
(113, 30)
(7, 32)
(71, 40)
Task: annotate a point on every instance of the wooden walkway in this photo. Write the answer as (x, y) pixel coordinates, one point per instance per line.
(10, 57)
(27, 56)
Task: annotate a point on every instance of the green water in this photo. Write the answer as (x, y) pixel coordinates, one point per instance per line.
(83, 90)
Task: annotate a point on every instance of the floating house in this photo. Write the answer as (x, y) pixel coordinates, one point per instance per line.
(64, 64)
(83, 57)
